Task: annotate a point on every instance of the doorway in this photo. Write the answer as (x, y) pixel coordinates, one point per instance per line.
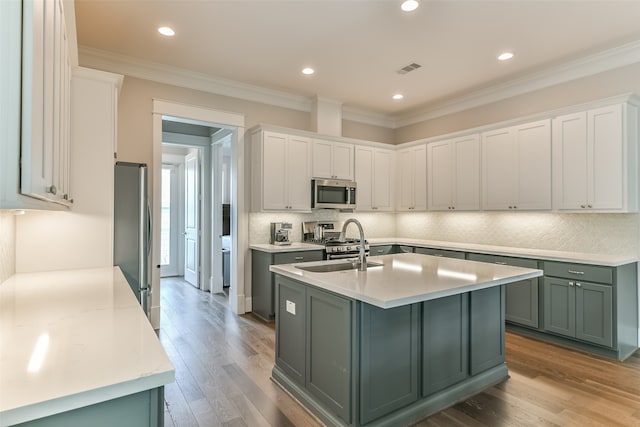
(231, 127)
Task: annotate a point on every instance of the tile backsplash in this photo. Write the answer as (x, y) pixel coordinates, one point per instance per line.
(7, 245)
(590, 233)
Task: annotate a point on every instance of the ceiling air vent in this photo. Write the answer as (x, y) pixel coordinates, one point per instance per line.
(408, 68)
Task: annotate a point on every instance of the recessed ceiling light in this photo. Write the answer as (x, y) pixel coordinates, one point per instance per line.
(308, 71)
(398, 96)
(410, 5)
(166, 31)
(505, 56)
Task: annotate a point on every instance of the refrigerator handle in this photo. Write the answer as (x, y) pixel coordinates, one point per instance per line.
(150, 228)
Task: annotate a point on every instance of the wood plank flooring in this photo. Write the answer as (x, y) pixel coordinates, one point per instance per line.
(223, 367)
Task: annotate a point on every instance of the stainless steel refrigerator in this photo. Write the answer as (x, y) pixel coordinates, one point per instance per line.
(132, 229)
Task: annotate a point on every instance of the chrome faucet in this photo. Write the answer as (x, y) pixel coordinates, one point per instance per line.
(362, 257)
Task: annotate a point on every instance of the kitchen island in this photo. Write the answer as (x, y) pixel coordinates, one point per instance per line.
(393, 344)
(76, 349)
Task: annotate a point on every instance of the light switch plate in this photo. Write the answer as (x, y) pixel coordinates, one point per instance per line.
(291, 307)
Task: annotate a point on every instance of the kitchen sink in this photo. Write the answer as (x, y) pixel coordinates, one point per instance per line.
(339, 266)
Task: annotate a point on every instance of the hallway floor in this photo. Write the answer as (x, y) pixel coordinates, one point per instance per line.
(223, 367)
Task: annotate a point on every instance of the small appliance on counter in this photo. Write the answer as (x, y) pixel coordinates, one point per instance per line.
(280, 233)
(327, 233)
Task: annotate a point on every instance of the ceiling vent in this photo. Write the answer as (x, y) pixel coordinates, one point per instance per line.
(408, 68)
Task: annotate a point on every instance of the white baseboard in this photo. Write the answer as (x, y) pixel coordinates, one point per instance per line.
(248, 304)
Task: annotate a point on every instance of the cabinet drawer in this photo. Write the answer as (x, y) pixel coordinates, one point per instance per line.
(381, 250)
(300, 256)
(502, 260)
(440, 252)
(588, 273)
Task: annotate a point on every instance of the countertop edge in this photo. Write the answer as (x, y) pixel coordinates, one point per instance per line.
(86, 398)
(293, 247)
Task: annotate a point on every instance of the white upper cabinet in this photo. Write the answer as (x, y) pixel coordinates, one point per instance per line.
(412, 178)
(595, 160)
(281, 172)
(516, 167)
(374, 176)
(46, 79)
(454, 174)
(333, 160)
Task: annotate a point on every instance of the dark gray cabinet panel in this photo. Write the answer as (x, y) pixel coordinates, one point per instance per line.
(521, 297)
(593, 313)
(405, 249)
(589, 273)
(486, 329)
(559, 306)
(290, 323)
(329, 351)
(388, 359)
(382, 250)
(445, 342)
(441, 252)
(263, 281)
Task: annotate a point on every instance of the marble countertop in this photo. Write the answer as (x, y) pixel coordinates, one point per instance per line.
(73, 338)
(408, 278)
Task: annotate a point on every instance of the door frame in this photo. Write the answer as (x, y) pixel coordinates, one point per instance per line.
(173, 268)
(239, 213)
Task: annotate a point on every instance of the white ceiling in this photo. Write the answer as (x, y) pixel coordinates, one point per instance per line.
(357, 46)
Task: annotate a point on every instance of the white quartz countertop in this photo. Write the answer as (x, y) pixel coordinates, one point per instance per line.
(610, 260)
(293, 247)
(73, 338)
(408, 278)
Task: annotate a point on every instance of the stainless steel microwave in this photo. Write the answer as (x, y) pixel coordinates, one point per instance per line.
(333, 194)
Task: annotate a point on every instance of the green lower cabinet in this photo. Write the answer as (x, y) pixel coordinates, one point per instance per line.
(291, 323)
(486, 329)
(389, 347)
(445, 342)
(328, 361)
(441, 252)
(382, 250)
(579, 310)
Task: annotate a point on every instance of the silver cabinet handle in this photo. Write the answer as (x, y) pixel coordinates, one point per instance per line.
(570, 283)
(582, 206)
(437, 254)
(380, 251)
(299, 258)
(52, 189)
(589, 206)
(578, 284)
(500, 263)
(581, 273)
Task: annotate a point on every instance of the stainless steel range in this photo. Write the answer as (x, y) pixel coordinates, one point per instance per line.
(328, 234)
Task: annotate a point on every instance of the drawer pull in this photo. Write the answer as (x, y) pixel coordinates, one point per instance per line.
(578, 284)
(576, 272)
(299, 258)
(437, 254)
(380, 251)
(570, 283)
(500, 263)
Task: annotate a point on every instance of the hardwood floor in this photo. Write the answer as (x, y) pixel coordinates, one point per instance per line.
(223, 366)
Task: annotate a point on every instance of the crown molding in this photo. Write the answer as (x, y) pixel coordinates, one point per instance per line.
(617, 57)
(593, 64)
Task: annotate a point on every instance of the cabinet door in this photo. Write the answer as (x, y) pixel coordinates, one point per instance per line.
(559, 306)
(299, 173)
(570, 178)
(274, 179)
(343, 160)
(466, 173)
(440, 161)
(322, 151)
(405, 170)
(328, 375)
(291, 328)
(420, 178)
(605, 158)
(382, 180)
(364, 178)
(594, 316)
(445, 342)
(498, 170)
(388, 359)
(486, 325)
(381, 250)
(533, 165)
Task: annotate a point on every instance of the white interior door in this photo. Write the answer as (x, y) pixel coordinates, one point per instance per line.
(191, 219)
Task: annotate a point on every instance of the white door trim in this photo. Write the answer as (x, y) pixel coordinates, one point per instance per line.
(239, 213)
(172, 269)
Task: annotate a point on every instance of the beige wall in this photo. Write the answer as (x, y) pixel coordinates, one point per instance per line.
(367, 132)
(603, 85)
(7, 245)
